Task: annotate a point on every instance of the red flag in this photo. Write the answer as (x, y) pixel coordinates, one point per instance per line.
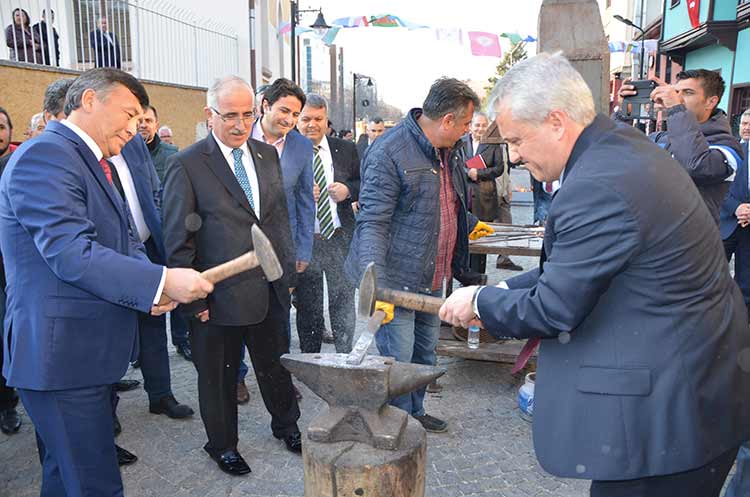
(694, 12)
(485, 44)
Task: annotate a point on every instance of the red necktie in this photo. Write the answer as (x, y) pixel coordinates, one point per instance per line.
(548, 187)
(107, 170)
(525, 354)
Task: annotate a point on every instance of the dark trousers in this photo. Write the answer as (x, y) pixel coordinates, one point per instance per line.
(738, 243)
(705, 481)
(216, 355)
(75, 440)
(8, 397)
(152, 338)
(327, 262)
(179, 328)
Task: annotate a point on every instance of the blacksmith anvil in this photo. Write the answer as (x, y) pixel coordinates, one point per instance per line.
(358, 395)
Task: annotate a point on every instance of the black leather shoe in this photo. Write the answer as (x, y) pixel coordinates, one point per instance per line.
(231, 462)
(10, 421)
(184, 351)
(293, 442)
(432, 424)
(126, 385)
(124, 457)
(169, 406)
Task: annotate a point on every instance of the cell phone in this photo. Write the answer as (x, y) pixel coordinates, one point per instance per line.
(632, 106)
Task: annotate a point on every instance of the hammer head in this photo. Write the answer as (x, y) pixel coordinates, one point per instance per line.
(266, 254)
(367, 292)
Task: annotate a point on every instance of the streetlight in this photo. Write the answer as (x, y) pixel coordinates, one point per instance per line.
(319, 26)
(355, 78)
(630, 23)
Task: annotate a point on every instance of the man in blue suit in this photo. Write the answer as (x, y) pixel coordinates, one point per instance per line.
(136, 181)
(77, 279)
(641, 383)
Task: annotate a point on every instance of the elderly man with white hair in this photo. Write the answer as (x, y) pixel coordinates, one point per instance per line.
(643, 380)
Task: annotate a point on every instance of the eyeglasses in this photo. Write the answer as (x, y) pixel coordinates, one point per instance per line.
(246, 118)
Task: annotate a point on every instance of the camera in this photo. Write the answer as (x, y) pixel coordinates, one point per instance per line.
(632, 106)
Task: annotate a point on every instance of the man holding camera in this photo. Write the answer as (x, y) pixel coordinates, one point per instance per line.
(699, 136)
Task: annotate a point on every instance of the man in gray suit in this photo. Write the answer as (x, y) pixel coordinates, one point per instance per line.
(643, 380)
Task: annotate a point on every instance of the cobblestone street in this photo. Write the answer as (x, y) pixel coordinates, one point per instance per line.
(486, 451)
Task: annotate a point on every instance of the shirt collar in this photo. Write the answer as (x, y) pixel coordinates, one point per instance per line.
(259, 134)
(324, 145)
(85, 137)
(227, 151)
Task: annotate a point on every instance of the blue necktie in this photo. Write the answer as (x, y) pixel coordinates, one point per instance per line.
(241, 175)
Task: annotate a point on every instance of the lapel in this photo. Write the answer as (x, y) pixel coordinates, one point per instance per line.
(92, 164)
(264, 173)
(336, 162)
(219, 166)
(468, 149)
(743, 174)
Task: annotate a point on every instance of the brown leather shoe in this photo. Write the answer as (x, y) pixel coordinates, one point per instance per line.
(243, 396)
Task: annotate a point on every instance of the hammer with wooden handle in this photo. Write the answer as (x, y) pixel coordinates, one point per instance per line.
(262, 255)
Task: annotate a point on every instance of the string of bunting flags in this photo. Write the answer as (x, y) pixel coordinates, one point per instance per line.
(481, 43)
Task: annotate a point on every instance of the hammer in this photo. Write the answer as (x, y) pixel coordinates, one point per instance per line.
(368, 294)
(262, 255)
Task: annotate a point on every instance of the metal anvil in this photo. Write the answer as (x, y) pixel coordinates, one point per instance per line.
(358, 395)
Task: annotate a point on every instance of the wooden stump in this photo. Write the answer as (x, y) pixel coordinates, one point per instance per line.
(353, 469)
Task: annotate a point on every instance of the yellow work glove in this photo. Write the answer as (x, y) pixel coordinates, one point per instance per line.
(480, 230)
(387, 308)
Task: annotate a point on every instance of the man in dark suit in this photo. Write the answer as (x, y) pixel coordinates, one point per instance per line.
(641, 383)
(40, 32)
(214, 192)
(336, 172)
(105, 46)
(135, 180)
(734, 220)
(375, 128)
(77, 279)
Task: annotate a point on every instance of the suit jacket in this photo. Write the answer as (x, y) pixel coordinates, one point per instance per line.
(207, 221)
(147, 189)
(76, 279)
(362, 145)
(296, 166)
(106, 52)
(40, 31)
(642, 324)
(484, 201)
(738, 194)
(346, 171)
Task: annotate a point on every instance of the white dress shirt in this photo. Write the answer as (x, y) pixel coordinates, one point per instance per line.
(327, 159)
(98, 154)
(248, 163)
(123, 171)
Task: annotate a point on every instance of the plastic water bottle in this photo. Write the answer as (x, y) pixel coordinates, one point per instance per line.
(526, 397)
(473, 338)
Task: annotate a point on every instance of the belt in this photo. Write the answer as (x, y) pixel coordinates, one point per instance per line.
(336, 232)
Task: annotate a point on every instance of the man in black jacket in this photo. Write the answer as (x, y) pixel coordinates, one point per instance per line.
(336, 174)
(698, 133)
(214, 192)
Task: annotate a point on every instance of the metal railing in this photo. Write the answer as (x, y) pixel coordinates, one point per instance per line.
(153, 39)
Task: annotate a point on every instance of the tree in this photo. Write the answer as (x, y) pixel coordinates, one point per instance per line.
(516, 54)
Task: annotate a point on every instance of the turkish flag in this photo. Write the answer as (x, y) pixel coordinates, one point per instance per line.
(487, 44)
(694, 12)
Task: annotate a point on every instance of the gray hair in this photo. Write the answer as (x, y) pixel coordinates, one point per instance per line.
(745, 114)
(218, 85)
(54, 95)
(479, 114)
(316, 101)
(36, 119)
(103, 80)
(164, 128)
(533, 88)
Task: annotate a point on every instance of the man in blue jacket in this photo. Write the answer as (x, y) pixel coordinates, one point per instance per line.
(414, 225)
(76, 280)
(641, 383)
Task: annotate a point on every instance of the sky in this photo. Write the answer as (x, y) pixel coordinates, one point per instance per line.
(404, 63)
